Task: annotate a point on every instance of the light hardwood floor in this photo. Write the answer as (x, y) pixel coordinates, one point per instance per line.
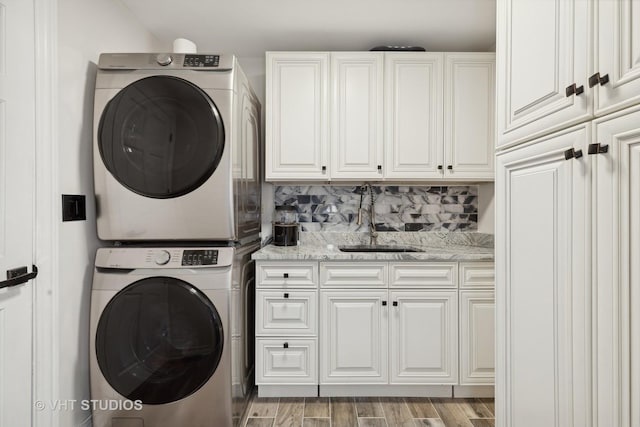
(370, 412)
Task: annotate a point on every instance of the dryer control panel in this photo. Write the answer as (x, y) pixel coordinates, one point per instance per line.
(187, 258)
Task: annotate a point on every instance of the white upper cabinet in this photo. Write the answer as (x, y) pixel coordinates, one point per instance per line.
(562, 62)
(617, 55)
(356, 115)
(543, 48)
(469, 115)
(413, 116)
(297, 129)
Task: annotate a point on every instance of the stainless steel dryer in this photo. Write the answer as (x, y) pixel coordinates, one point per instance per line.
(165, 345)
(175, 148)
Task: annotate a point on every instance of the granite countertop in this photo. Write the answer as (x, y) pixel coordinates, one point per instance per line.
(436, 246)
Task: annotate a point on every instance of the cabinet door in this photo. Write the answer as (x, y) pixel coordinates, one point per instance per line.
(353, 337)
(542, 294)
(413, 115)
(616, 257)
(543, 47)
(477, 337)
(469, 115)
(617, 55)
(296, 115)
(424, 331)
(356, 113)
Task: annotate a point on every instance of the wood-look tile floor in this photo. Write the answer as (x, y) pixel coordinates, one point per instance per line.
(370, 412)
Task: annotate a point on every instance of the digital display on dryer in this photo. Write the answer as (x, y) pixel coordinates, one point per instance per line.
(200, 257)
(201, 61)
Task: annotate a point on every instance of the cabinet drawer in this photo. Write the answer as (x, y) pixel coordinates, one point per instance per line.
(424, 275)
(356, 275)
(286, 361)
(477, 274)
(285, 312)
(287, 274)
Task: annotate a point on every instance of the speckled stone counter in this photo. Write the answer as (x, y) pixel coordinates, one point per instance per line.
(323, 246)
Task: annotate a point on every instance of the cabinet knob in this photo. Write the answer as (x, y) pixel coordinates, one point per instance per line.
(384, 303)
(598, 149)
(439, 167)
(572, 154)
(573, 89)
(395, 303)
(285, 345)
(379, 168)
(598, 79)
(286, 295)
(285, 275)
(324, 169)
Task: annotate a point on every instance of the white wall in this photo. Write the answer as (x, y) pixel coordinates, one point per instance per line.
(85, 29)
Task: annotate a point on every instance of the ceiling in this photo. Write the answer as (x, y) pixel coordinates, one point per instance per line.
(248, 28)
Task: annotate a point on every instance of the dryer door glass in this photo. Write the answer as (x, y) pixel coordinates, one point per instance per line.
(159, 340)
(161, 137)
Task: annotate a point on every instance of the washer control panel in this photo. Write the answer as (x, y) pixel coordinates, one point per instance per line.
(200, 257)
(191, 60)
(187, 258)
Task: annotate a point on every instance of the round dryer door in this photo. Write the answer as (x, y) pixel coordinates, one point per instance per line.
(161, 137)
(159, 340)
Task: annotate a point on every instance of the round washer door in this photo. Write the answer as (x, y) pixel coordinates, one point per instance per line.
(161, 137)
(159, 340)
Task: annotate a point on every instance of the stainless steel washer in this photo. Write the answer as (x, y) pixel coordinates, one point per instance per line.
(161, 337)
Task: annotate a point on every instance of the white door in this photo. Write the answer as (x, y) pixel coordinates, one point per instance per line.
(424, 331)
(353, 337)
(617, 56)
(477, 337)
(413, 115)
(542, 294)
(469, 115)
(297, 130)
(17, 158)
(543, 48)
(616, 257)
(356, 115)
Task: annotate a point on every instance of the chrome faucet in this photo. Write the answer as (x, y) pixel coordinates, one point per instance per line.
(373, 234)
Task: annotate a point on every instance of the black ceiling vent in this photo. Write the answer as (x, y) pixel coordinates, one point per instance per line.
(397, 49)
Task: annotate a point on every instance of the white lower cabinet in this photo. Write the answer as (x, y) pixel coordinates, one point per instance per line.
(354, 337)
(396, 325)
(424, 330)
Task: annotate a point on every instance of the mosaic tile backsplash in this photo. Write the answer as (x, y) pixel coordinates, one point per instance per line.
(397, 208)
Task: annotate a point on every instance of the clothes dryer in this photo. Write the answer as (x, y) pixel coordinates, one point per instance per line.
(161, 350)
(175, 148)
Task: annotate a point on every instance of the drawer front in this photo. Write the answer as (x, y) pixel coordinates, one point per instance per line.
(285, 312)
(354, 275)
(477, 274)
(286, 361)
(423, 275)
(293, 274)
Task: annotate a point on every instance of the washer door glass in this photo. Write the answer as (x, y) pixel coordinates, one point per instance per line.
(159, 340)
(161, 137)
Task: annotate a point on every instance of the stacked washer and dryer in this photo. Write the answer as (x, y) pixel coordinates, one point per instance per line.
(177, 187)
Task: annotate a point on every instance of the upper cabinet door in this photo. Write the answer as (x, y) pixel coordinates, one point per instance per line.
(296, 115)
(469, 115)
(617, 56)
(413, 115)
(356, 115)
(543, 50)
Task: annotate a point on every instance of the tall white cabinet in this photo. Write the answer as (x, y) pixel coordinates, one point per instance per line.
(568, 214)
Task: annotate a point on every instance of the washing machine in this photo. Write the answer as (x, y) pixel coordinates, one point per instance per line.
(175, 148)
(161, 352)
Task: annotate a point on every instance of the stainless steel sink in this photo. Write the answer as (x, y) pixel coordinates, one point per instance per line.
(378, 248)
